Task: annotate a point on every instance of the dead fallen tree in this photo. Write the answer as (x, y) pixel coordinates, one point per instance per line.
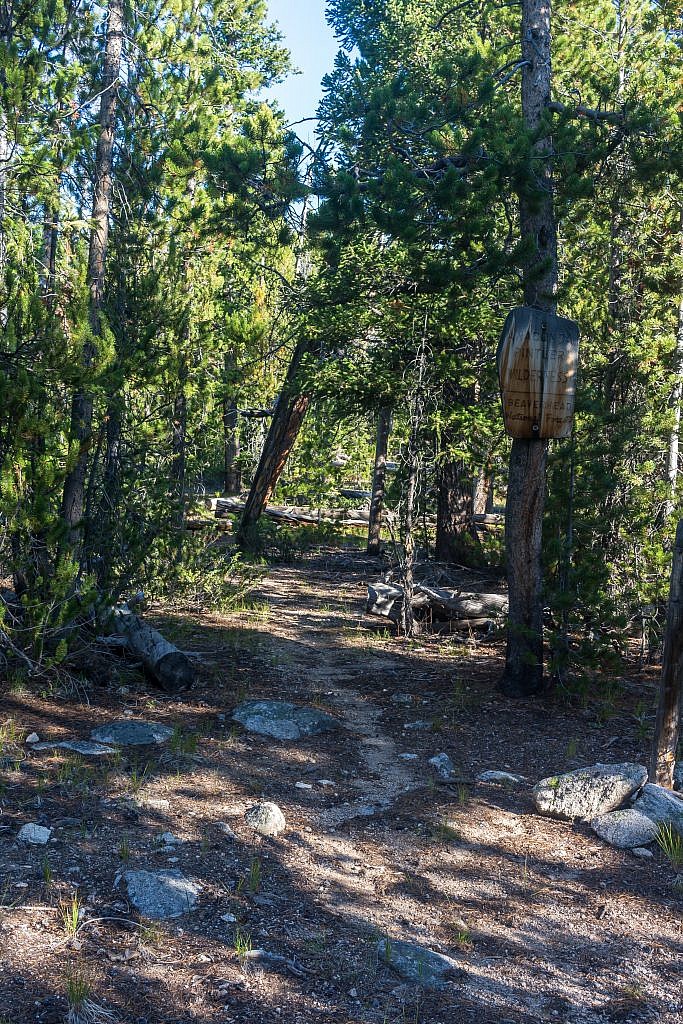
(471, 609)
(169, 667)
(293, 515)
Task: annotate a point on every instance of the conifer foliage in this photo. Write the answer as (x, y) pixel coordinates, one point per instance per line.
(192, 300)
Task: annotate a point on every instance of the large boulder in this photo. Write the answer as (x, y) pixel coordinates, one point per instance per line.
(627, 828)
(283, 720)
(662, 806)
(161, 895)
(588, 792)
(132, 732)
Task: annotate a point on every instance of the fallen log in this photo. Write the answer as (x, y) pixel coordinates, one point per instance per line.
(292, 515)
(169, 667)
(385, 599)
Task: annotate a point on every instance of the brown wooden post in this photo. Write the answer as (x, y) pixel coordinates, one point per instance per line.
(667, 727)
(379, 481)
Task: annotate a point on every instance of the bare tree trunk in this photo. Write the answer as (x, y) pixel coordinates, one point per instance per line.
(456, 537)
(676, 397)
(667, 727)
(379, 478)
(6, 25)
(232, 474)
(82, 403)
(282, 434)
(523, 674)
(483, 490)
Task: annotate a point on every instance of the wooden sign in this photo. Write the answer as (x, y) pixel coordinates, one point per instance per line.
(537, 359)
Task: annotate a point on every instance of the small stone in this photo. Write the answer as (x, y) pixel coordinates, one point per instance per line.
(326, 782)
(303, 785)
(420, 724)
(265, 818)
(228, 918)
(282, 720)
(500, 778)
(169, 839)
(443, 766)
(161, 895)
(588, 792)
(401, 698)
(37, 835)
(226, 829)
(418, 964)
(132, 732)
(643, 852)
(662, 806)
(32, 737)
(409, 757)
(625, 829)
(153, 803)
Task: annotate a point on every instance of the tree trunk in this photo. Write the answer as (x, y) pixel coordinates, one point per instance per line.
(523, 674)
(483, 491)
(282, 434)
(82, 404)
(456, 537)
(676, 397)
(379, 481)
(232, 474)
(6, 26)
(667, 727)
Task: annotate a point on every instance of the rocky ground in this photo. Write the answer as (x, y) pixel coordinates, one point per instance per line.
(395, 889)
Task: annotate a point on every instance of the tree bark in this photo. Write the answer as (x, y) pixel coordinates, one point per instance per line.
(523, 674)
(676, 398)
(456, 537)
(379, 481)
(667, 726)
(6, 33)
(282, 434)
(82, 403)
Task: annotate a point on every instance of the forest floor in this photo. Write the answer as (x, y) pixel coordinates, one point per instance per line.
(546, 922)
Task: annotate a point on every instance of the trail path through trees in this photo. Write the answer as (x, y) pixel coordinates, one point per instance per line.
(542, 920)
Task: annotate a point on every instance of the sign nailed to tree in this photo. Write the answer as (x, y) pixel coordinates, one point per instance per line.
(538, 356)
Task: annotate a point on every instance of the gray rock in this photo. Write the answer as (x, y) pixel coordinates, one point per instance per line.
(169, 839)
(443, 766)
(417, 964)
(500, 778)
(161, 895)
(662, 806)
(588, 792)
(282, 720)
(409, 757)
(132, 732)
(38, 835)
(266, 818)
(642, 852)
(85, 747)
(626, 829)
(32, 737)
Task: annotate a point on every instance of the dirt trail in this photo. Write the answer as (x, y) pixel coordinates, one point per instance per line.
(545, 922)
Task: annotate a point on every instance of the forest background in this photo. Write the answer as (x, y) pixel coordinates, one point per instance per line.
(179, 269)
